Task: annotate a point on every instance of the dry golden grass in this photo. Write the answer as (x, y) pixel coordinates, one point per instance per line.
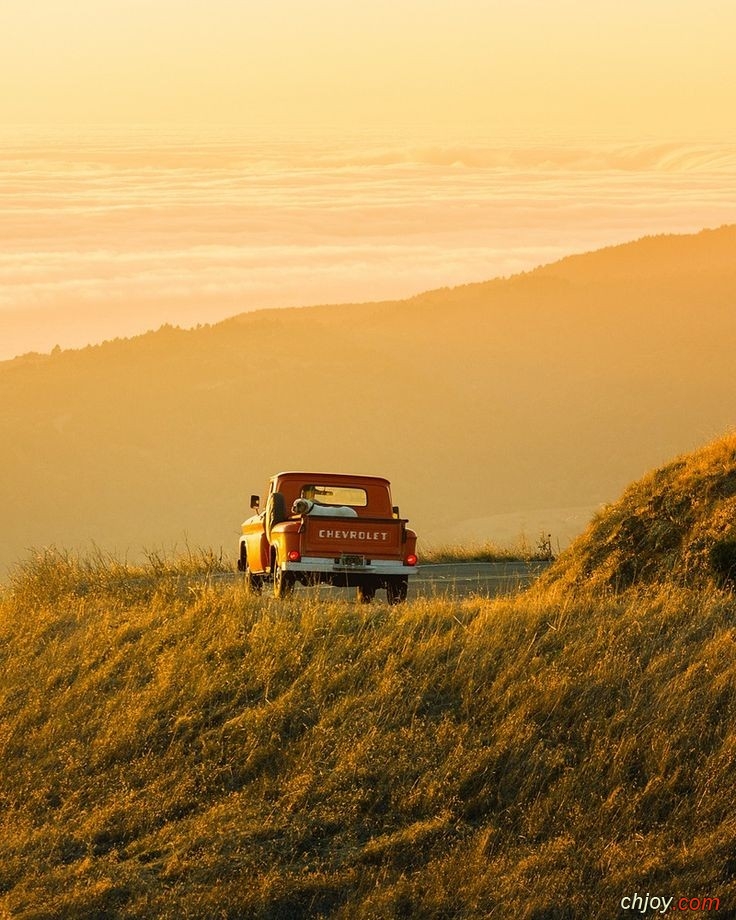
(175, 748)
(489, 551)
(678, 522)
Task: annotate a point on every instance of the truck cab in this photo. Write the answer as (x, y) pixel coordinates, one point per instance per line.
(328, 528)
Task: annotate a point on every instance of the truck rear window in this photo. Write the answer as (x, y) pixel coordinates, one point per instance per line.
(335, 495)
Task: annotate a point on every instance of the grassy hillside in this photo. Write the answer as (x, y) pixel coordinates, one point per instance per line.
(678, 522)
(548, 390)
(173, 748)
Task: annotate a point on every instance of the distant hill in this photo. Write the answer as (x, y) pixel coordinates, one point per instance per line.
(484, 404)
(677, 524)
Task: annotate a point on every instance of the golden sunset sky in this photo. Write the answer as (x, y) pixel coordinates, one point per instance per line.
(633, 67)
(170, 161)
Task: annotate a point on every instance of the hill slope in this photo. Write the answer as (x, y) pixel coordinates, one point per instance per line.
(491, 402)
(677, 523)
(172, 749)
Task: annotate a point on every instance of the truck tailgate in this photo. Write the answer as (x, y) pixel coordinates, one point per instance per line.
(336, 537)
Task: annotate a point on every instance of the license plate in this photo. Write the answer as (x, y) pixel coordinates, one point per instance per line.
(348, 560)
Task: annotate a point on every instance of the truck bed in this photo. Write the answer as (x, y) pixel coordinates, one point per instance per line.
(340, 537)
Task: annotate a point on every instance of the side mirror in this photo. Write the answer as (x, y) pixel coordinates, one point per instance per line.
(395, 510)
(255, 502)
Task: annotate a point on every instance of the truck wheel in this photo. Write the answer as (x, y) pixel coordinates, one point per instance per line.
(253, 583)
(366, 593)
(275, 512)
(396, 589)
(283, 582)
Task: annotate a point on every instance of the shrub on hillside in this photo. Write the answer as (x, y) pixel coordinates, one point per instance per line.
(723, 561)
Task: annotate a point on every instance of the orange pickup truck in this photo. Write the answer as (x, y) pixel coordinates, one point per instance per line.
(328, 528)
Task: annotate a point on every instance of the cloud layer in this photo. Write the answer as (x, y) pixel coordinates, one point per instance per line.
(110, 235)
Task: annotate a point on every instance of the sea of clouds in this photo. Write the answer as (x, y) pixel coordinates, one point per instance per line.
(111, 233)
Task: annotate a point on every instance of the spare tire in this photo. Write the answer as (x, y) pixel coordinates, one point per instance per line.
(275, 512)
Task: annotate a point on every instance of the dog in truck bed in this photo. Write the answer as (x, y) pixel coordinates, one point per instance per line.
(306, 506)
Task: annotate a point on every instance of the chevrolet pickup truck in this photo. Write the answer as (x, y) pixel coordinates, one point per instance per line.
(328, 528)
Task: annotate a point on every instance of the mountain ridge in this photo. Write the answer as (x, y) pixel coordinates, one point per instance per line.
(546, 390)
(547, 270)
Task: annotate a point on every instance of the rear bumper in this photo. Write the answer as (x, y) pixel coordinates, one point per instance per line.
(376, 567)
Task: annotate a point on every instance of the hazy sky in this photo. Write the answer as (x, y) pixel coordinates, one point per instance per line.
(182, 161)
(637, 68)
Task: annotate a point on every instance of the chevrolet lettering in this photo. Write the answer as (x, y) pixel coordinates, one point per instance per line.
(353, 535)
(327, 528)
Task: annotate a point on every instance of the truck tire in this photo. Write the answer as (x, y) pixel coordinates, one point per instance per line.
(253, 583)
(366, 593)
(396, 589)
(275, 512)
(283, 582)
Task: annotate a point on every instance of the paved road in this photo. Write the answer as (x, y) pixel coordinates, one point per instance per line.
(458, 579)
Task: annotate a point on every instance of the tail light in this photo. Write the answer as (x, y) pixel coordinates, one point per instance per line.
(294, 555)
(411, 559)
